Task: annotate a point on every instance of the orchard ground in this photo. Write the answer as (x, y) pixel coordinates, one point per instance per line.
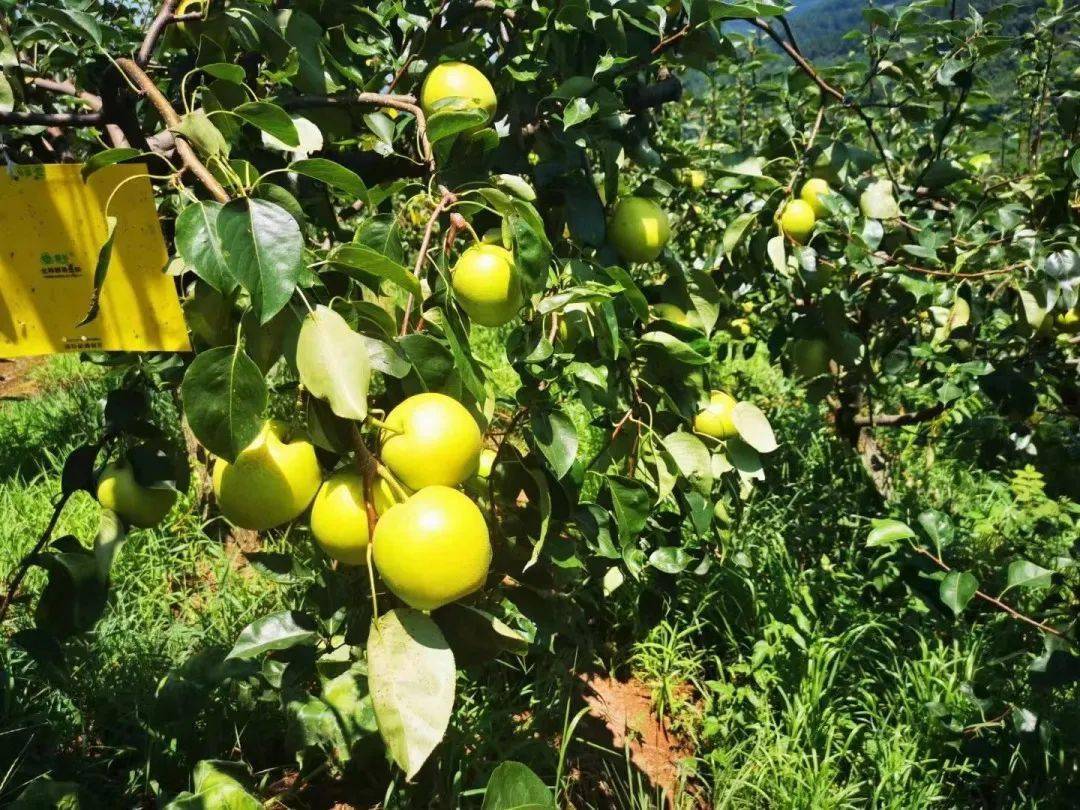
(782, 671)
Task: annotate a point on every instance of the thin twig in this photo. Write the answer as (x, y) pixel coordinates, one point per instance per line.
(172, 121)
(447, 200)
(64, 119)
(837, 93)
(1011, 611)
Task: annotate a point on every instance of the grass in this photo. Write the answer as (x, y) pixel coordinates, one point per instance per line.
(795, 668)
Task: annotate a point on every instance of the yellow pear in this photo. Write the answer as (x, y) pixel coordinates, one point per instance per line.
(458, 80)
(811, 195)
(487, 285)
(433, 549)
(431, 439)
(638, 229)
(797, 220)
(271, 482)
(715, 418)
(339, 518)
(136, 505)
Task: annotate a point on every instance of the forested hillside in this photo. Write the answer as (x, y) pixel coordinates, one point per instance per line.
(822, 24)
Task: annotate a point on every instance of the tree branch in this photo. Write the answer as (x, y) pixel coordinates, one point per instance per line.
(1011, 611)
(837, 93)
(172, 121)
(64, 119)
(163, 19)
(405, 103)
(900, 419)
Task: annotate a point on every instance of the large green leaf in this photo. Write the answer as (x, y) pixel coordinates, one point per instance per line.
(265, 250)
(369, 260)
(224, 397)
(556, 436)
(957, 589)
(199, 245)
(333, 363)
(692, 458)
(333, 174)
(277, 631)
(411, 675)
(514, 786)
(271, 119)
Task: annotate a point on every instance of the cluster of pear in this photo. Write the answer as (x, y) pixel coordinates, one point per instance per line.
(430, 543)
(798, 217)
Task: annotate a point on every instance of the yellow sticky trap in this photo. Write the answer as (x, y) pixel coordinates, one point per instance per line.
(52, 225)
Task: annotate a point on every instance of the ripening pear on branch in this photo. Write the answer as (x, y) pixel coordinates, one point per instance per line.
(639, 229)
(487, 285)
(433, 549)
(797, 220)
(461, 81)
(271, 482)
(431, 439)
(144, 507)
(811, 194)
(339, 516)
(715, 418)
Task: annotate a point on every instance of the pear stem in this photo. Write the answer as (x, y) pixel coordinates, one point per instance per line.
(367, 464)
(380, 424)
(387, 476)
(371, 583)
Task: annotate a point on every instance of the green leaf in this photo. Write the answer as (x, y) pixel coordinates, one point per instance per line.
(101, 269)
(107, 158)
(7, 94)
(333, 363)
(333, 174)
(265, 250)
(670, 560)
(271, 119)
(1024, 574)
(631, 504)
(278, 631)
(734, 233)
(513, 786)
(335, 721)
(877, 201)
(199, 244)
(516, 185)
(196, 128)
(411, 675)
(224, 396)
(377, 264)
(957, 589)
(753, 427)
(674, 349)
(578, 111)
(225, 71)
(556, 436)
(71, 20)
(446, 123)
(215, 789)
(692, 458)
(887, 532)
(938, 527)
(75, 595)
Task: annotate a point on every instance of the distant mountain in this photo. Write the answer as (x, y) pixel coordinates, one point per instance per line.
(820, 25)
